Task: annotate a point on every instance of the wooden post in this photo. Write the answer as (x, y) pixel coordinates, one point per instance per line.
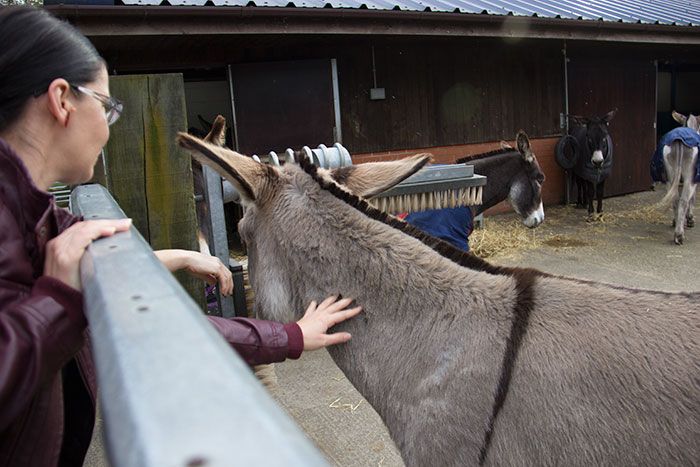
(147, 173)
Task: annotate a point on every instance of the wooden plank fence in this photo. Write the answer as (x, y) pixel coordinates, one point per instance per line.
(146, 172)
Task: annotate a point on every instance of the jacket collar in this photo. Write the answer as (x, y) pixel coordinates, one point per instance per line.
(35, 209)
(27, 202)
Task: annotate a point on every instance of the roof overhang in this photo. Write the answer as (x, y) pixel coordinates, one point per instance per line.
(97, 20)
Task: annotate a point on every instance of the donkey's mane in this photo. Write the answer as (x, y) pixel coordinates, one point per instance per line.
(484, 155)
(442, 247)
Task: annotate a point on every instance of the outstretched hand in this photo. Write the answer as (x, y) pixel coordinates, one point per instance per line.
(200, 265)
(318, 318)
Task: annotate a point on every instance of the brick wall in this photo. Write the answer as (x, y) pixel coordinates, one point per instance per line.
(553, 190)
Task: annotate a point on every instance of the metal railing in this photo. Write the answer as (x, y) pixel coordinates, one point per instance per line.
(172, 391)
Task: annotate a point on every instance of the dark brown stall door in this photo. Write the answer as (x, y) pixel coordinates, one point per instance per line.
(596, 87)
(282, 105)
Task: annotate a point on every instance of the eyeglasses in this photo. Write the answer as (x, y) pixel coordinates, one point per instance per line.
(113, 107)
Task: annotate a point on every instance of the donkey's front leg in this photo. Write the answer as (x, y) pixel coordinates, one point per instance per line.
(590, 197)
(599, 193)
(580, 190)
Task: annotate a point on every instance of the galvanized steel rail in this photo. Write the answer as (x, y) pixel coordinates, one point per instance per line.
(172, 391)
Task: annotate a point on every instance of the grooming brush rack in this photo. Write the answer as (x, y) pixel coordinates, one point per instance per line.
(434, 187)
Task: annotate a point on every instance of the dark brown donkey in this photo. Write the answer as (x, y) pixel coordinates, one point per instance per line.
(594, 159)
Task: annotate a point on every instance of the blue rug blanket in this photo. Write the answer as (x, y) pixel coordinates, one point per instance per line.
(451, 224)
(687, 136)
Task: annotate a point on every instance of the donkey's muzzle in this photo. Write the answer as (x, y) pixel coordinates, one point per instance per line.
(597, 159)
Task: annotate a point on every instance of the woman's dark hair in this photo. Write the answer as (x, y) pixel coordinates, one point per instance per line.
(36, 49)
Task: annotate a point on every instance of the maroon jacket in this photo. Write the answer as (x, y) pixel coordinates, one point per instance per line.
(46, 367)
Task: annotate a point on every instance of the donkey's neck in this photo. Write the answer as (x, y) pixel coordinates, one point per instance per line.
(420, 319)
(499, 171)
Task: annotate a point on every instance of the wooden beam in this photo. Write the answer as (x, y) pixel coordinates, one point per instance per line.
(147, 173)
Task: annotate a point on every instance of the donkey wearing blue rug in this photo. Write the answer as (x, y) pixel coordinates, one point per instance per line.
(594, 159)
(676, 160)
(469, 363)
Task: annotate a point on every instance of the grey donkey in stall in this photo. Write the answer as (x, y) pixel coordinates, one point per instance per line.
(679, 154)
(469, 363)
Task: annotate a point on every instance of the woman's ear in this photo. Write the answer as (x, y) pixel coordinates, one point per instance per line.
(60, 100)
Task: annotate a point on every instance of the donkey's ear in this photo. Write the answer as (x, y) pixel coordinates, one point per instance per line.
(524, 146)
(609, 116)
(679, 117)
(217, 134)
(249, 177)
(694, 122)
(372, 178)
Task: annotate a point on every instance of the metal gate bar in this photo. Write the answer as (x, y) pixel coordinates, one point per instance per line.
(172, 391)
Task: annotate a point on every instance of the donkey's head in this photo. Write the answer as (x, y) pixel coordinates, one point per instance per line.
(525, 195)
(597, 136)
(293, 227)
(691, 121)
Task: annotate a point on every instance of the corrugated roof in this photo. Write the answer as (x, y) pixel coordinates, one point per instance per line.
(670, 12)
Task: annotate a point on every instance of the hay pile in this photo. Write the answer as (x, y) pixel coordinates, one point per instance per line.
(651, 214)
(502, 235)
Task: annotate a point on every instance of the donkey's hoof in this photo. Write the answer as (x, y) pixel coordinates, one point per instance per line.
(690, 222)
(594, 217)
(678, 238)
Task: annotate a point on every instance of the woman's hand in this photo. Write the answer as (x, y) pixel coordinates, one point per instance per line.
(63, 253)
(200, 265)
(318, 319)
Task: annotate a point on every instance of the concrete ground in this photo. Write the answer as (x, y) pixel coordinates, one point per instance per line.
(629, 246)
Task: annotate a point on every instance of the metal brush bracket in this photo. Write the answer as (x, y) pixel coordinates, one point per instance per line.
(441, 182)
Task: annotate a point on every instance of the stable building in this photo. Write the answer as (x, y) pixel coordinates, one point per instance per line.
(391, 78)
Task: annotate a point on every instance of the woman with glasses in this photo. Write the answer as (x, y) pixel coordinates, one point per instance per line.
(55, 112)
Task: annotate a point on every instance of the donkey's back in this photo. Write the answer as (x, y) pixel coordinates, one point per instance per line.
(605, 376)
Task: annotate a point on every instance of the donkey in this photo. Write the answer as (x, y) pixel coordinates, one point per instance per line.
(594, 159)
(676, 158)
(216, 135)
(512, 175)
(469, 363)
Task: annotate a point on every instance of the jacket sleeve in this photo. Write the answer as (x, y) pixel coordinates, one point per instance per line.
(38, 336)
(258, 341)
